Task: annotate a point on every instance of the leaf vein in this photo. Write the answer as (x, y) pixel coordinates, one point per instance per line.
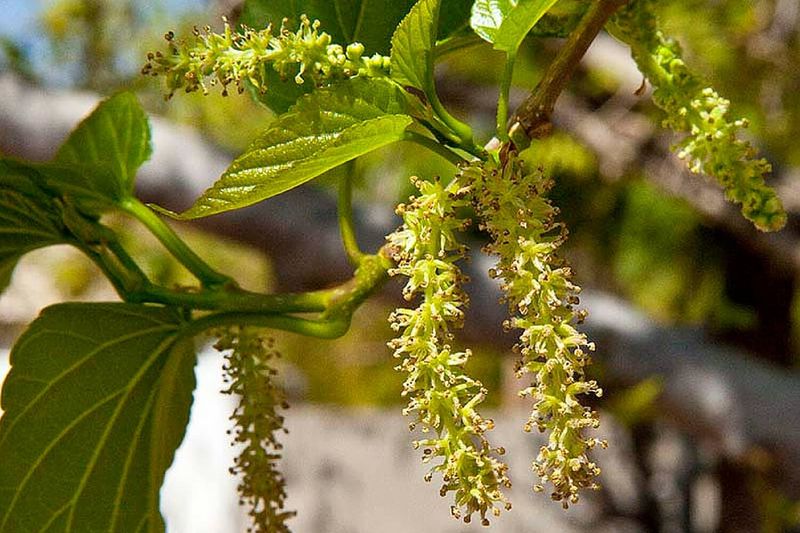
(98, 349)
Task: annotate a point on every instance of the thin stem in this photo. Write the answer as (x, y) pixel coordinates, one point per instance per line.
(505, 90)
(125, 259)
(345, 216)
(462, 130)
(232, 304)
(341, 301)
(440, 132)
(132, 285)
(534, 114)
(124, 280)
(335, 303)
(201, 270)
(434, 146)
(323, 329)
(446, 137)
(225, 299)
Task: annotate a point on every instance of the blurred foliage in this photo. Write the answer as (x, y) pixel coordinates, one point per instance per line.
(358, 369)
(561, 154)
(231, 123)
(250, 265)
(779, 513)
(668, 266)
(75, 277)
(84, 36)
(14, 59)
(636, 404)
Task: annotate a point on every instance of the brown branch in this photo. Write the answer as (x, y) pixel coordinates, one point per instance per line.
(534, 114)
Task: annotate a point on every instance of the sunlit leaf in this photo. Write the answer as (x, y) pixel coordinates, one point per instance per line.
(115, 135)
(505, 23)
(412, 46)
(325, 129)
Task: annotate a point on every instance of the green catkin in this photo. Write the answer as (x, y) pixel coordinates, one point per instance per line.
(712, 145)
(443, 398)
(232, 57)
(510, 201)
(250, 376)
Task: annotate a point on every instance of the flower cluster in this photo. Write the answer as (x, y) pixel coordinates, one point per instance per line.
(510, 201)
(712, 146)
(441, 395)
(250, 377)
(233, 57)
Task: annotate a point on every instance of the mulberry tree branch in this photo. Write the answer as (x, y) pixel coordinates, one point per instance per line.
(533, 117)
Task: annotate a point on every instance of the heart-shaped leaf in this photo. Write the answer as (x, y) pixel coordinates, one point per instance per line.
(95, 404)
(95, 168)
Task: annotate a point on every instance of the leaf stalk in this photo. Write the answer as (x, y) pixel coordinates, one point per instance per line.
(179, 249)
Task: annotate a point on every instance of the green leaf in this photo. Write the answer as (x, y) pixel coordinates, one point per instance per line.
(93, 189)
(171, 409)
(116, 135)
(94, 169)
(454, 16)
(323, 130)
(412, 46)
(505, 23)
(29, 218)
(95, 404)
(519, 23)
(488, 15)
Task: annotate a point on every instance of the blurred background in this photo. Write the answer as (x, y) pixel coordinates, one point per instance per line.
(695, 313)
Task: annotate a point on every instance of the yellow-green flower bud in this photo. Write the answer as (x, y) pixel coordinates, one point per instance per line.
(355, 51)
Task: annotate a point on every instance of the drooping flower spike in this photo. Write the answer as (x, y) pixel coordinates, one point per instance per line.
(250, 376)
(713, 143)
(443, 398)
(510, 201)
